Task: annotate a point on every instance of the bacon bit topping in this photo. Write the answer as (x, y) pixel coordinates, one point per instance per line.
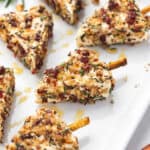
(2, 70)
(41, 9)
(69, 54)
(52, 2)
(85, 53)
(20, 7)
(37, 37)
(6, 96)
(41, 91)
(26, 136)
(73, 98)
(78, 51)
(86, 67)
(113, 5)
(105, 16)
(28, 21)
(13, 22)
(131, 17)
(103, 39)
(84, 59)
(52, 72)
(137, 28)
(1, 94)
(96, 2)
(22, 51)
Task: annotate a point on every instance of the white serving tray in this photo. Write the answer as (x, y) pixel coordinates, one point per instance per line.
(112, 125)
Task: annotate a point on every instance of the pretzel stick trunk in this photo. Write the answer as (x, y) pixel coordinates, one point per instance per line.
(145, 10)
(79, 124)
(116, 64)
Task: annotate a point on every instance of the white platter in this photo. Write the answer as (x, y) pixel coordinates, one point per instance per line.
(112, 125)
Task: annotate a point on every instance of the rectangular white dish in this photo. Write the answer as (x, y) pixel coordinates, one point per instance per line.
(112, 125)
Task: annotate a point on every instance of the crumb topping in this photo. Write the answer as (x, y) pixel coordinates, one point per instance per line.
(120, 22)
(26, 34)
(44, 131)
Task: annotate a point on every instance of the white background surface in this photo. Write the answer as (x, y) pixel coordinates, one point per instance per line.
(141, 137)
(111, 125)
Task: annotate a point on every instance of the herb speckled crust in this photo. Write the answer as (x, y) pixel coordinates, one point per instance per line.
(44, 131)
(67, 9)
(26, 34)
(83, 79)
(120, 22)
(7, 85)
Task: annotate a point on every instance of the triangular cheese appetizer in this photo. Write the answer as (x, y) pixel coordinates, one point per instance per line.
(67, 9)
(83, 78)
(7, 85)
(44, 131)
(121, 22)
(26, 34)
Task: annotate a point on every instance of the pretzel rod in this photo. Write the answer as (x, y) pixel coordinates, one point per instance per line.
(79, 124)
(116, 64)
(146, 147)
(145, 10)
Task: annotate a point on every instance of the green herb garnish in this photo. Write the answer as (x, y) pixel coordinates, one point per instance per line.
(81, 72)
